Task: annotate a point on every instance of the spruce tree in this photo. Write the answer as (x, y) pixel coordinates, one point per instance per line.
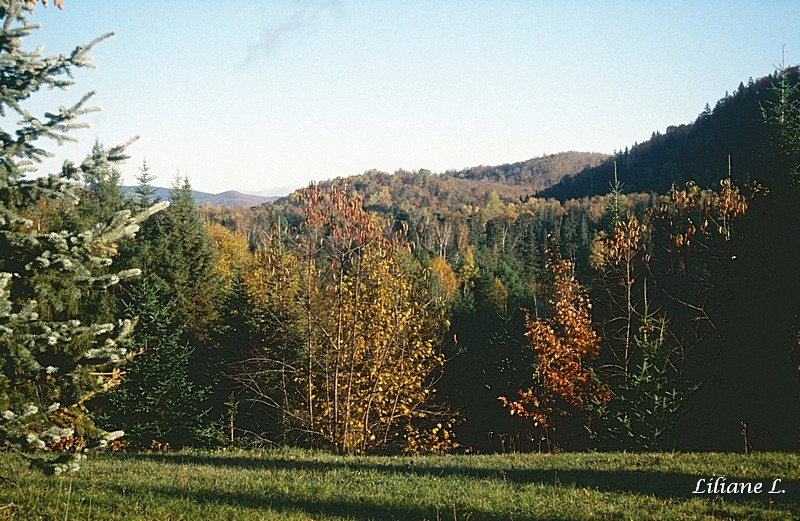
(52, 360)
(157, 400)
(176, 248)
(193, 264)
(103, 197)
(166, 392)
(782, 115)
(145, 191)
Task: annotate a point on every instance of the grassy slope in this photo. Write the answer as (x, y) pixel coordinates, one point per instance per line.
(306, 485)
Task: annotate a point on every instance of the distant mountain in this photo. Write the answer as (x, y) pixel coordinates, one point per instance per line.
(699, 151)
(234, 198)
(276, 191)
(453, 189)
(230, 198)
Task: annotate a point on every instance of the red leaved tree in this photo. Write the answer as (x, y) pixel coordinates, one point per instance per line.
(564, 344)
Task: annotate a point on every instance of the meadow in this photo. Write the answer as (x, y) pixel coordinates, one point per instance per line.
(291, 484)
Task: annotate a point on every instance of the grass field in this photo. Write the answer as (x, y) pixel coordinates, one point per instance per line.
(290, 484)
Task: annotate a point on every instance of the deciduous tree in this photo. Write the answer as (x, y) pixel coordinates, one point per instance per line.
(349, 339)
(565, 344)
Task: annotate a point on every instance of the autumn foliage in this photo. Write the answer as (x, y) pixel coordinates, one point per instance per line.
(564, 344)
(349, 353)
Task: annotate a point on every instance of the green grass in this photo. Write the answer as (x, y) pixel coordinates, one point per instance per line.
(290, 484)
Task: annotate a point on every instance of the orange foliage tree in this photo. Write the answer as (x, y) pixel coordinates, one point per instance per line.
(564, 344)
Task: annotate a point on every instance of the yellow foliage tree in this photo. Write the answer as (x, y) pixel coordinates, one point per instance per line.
(347, 333)
(444, 283)
(232, 247)
(469, 270)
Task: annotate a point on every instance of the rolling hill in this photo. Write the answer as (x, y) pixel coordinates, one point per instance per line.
(231, 198)
(731, 135)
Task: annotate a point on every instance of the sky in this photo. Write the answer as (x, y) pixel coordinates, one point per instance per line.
(266, 96)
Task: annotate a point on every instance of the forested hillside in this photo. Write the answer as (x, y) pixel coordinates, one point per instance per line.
(733, 129)
(647, 301)
(664, 249)
(452, 188)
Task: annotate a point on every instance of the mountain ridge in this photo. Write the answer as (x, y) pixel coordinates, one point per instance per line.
(230, 198)
(730, 140)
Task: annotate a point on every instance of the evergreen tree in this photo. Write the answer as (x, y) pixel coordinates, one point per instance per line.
(166, 393)
(192, 262)
(51, 362)
(157, 399)
(782, 115)
(614, 209)
(177, 249)
(104, 187)
(145, 191)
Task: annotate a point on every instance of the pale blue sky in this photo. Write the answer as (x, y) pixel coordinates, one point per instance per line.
(255, 95)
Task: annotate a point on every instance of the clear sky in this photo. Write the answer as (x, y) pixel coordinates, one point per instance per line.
(263, 95)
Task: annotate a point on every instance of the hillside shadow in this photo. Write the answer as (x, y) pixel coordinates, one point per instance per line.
(358, 509)
(662, 485)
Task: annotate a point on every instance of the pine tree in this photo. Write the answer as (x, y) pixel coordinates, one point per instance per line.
(166, 392)
(193, 270)
(177, 249)
(783, 118)
(145, 191)
(614, 209)
(157, 400)
(51, 362)
(103, 182)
